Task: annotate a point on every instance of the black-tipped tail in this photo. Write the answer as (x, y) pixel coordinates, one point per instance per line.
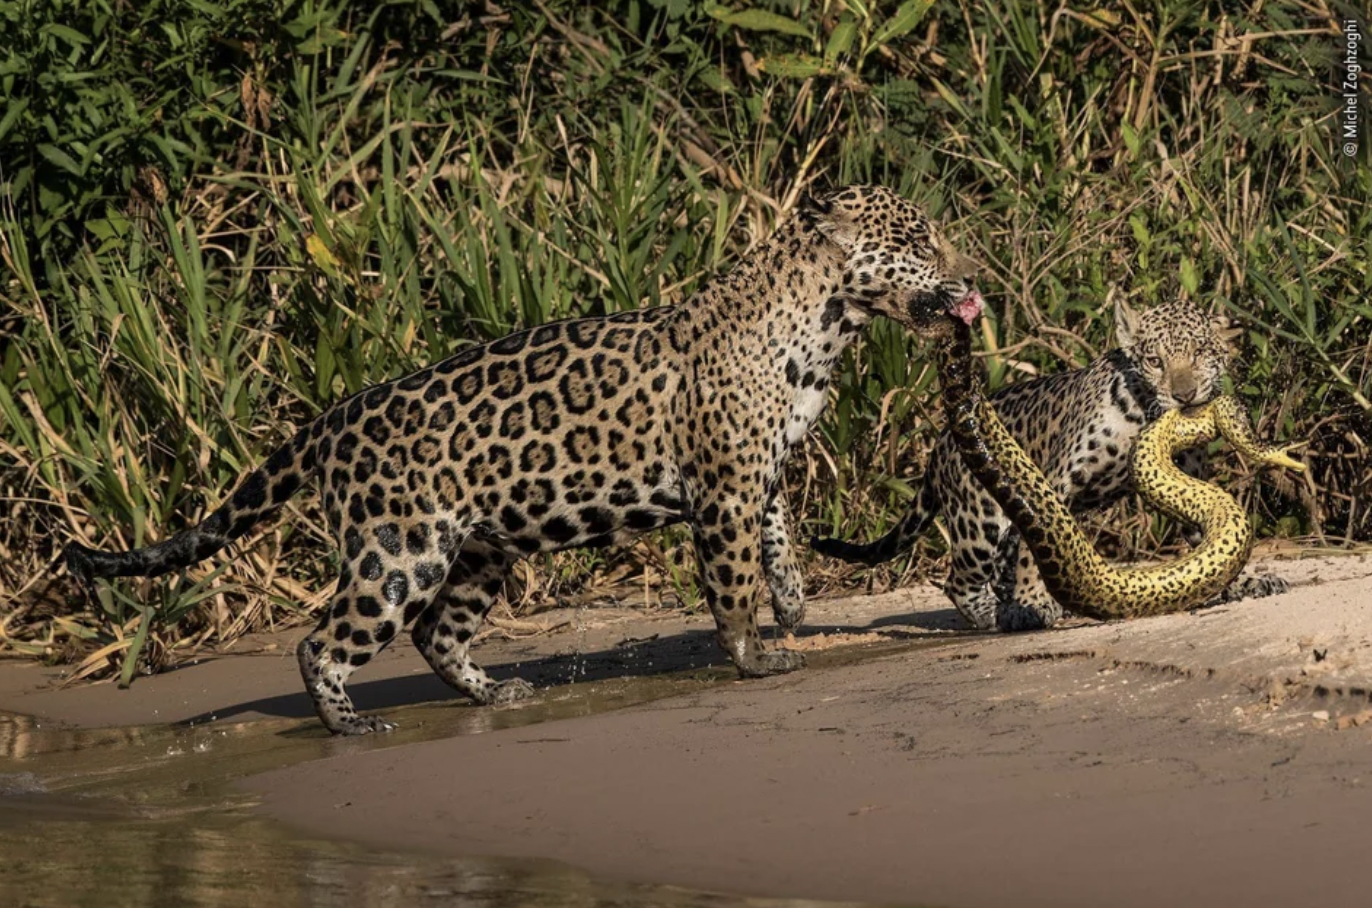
(180, 551)
(262, 494)
(900, 538)
(870, 554)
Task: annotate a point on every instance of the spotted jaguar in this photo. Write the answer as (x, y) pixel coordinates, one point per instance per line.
(1080, 428)
(584, 433)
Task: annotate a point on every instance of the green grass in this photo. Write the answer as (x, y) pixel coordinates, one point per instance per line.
(217, 218)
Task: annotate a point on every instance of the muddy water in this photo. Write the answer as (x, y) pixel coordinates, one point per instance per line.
(150, 816)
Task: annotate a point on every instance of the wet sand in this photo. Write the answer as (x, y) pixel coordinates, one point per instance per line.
(1221, 757)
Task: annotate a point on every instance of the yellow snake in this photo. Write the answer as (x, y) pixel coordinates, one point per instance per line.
(1074, 573)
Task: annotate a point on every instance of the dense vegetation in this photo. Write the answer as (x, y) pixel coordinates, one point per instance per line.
(218, 217)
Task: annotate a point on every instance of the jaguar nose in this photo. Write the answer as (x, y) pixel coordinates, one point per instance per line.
(1184, 386)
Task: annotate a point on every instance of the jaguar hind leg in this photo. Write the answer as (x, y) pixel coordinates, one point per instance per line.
(443, 632)
(390, 574)
(975, 532)
(968, 588)
(1251, 586)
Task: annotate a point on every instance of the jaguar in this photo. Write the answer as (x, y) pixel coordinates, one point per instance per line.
(587, 432)
(1069, 566)
(1080, 428)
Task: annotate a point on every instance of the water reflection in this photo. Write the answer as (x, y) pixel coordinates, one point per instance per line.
(91, 857)
(149, 817)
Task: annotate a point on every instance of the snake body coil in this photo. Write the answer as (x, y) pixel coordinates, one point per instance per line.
(1074, 573)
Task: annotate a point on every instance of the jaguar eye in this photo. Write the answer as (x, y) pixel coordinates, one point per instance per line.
(1154, 362)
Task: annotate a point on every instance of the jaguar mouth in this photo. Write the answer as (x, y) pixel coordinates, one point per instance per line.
(969, 308)
(932, 313)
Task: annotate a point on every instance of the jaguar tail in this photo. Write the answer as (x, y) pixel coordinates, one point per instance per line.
(900, 538)
(259, 496)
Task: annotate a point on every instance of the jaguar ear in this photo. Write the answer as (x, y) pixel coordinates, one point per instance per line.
(1226, 330)
(1126, 323)
(833, 219)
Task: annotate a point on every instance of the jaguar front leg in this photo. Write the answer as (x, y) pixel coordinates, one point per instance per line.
(779, 563)
(1029, 606)
(728, 539)
(1192, 462)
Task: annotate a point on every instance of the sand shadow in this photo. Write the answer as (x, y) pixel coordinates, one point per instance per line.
(643, 657)
(654, 655)
(944, 619)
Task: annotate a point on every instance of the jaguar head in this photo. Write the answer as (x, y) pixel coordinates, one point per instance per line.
(897, 263)
(1181, 352)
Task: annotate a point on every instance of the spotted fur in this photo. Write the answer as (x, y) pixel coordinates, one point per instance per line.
(1080, 428)
(586, 433)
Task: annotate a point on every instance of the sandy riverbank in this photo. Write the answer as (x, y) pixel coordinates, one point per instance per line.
(1218, 758)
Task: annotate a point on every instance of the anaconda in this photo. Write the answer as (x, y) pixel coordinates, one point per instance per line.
(1074, 573)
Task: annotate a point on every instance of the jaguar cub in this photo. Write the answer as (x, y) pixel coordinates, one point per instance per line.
(1080, 427)
(585, 433)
